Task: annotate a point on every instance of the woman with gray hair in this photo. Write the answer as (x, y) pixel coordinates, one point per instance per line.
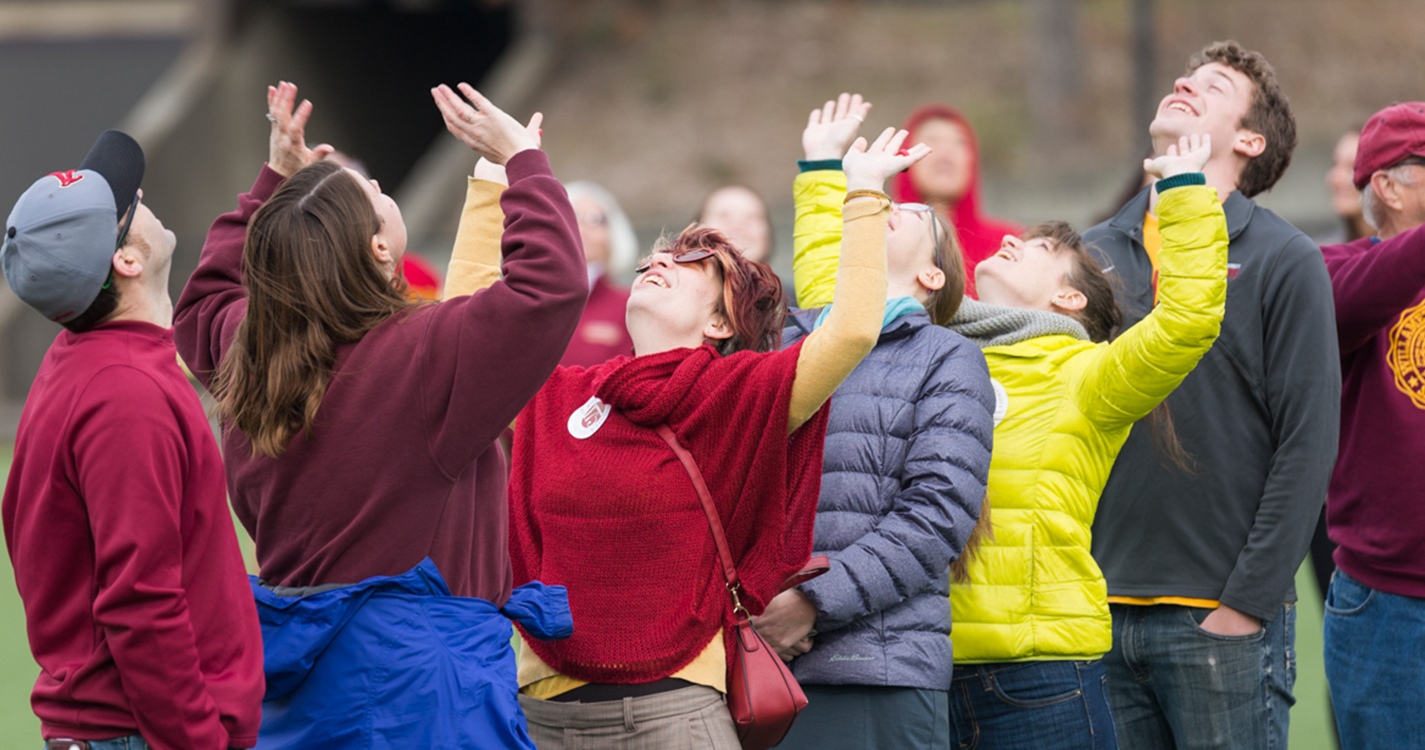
(610, 248)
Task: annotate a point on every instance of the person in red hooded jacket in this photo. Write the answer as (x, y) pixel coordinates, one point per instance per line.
(949, 180)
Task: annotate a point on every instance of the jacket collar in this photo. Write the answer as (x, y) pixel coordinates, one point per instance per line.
(800, 322)
(1238, 209)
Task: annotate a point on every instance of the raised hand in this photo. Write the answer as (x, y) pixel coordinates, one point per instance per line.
(287, 150)
(831, 128)
(483, 127)
(868, 167)
(1189, 155)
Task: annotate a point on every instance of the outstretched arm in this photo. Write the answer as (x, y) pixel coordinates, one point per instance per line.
(818, 192)
(213, 302)
(475, 259)
(853, 325)
(509, 336)
(1141, 367)
(1372, 287)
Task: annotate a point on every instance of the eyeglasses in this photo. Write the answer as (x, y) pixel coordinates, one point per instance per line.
(921, 208)
(689, 256)
(1411, 161)
(592, 218)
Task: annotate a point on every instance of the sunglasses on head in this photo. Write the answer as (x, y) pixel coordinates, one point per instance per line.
(689, 256)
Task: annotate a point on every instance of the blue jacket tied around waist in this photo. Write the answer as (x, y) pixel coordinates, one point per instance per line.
(398, 662)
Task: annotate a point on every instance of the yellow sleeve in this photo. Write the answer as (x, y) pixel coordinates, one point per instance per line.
(1142, 367)
(858, 309)
(816, 235)
(475, 260)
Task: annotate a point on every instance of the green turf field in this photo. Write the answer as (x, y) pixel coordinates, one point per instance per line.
(20, 729)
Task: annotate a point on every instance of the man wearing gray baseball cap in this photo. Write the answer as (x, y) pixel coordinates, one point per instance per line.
(115, 512)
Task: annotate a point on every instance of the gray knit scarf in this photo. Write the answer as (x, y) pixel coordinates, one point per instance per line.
(993, 325)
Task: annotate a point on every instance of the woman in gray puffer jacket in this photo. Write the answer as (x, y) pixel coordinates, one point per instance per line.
(905, 467)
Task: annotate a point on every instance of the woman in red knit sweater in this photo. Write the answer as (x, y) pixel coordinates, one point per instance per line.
(600, 503)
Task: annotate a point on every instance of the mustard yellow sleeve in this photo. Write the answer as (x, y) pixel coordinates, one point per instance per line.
(1130, 376)
(816, 235)
(858, 309)
(475, 260)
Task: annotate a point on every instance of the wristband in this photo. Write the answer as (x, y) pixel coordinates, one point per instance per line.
(854, 194)
(1180, 180)
(818, 165)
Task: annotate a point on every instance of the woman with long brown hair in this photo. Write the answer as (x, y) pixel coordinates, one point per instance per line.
(601, 504)
(359, 433)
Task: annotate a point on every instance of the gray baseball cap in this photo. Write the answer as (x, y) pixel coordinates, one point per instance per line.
(61, 236)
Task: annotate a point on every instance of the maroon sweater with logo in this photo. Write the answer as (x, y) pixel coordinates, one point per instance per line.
(137, 606)
(1373, 509)
(402, 462)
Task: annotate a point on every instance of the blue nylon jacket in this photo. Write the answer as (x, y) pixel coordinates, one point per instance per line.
(398, 662)
(904, 471)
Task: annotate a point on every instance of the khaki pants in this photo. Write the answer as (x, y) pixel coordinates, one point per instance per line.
(692, 718)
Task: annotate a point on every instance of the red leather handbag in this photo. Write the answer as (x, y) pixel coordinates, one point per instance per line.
(762, 695)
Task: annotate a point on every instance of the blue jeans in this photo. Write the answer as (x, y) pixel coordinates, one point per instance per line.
(1032, 705)
(1175, 685)
(131, 742)
(1375, 663)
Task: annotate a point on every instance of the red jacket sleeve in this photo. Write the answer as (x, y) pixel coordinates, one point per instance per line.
(131, 461)
(1373, 284)
(213, 301)
(487, 354)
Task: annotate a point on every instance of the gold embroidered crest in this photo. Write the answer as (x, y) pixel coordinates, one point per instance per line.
(1406, 356)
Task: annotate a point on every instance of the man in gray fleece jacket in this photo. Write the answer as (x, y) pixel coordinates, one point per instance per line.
(1200, 552)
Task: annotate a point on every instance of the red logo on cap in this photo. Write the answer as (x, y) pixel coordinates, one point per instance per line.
(67, 177)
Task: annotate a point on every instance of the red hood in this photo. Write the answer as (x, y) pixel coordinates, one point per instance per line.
(979, 235)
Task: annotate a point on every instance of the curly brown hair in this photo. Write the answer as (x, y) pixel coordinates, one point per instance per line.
(1269, 114)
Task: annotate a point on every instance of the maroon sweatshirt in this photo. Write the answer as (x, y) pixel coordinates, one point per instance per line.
(137, 606)
(402, 462)
(1373, 509)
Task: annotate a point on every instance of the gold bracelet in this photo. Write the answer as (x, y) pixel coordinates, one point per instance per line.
(854, 194)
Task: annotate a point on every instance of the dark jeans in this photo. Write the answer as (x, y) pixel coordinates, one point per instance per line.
(131, 742)
(1175, 685)
(1375, 664)
(866, 716)
(1032, 705)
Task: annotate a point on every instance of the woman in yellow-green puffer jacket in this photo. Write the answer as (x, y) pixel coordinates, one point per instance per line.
(1032, 622)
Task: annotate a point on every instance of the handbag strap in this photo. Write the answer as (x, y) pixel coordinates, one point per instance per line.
(729, 570)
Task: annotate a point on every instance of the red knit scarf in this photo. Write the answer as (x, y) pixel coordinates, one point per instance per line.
(614, 517)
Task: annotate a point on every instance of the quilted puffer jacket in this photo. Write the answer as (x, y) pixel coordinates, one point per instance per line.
(1035, 591)
(903, 475)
